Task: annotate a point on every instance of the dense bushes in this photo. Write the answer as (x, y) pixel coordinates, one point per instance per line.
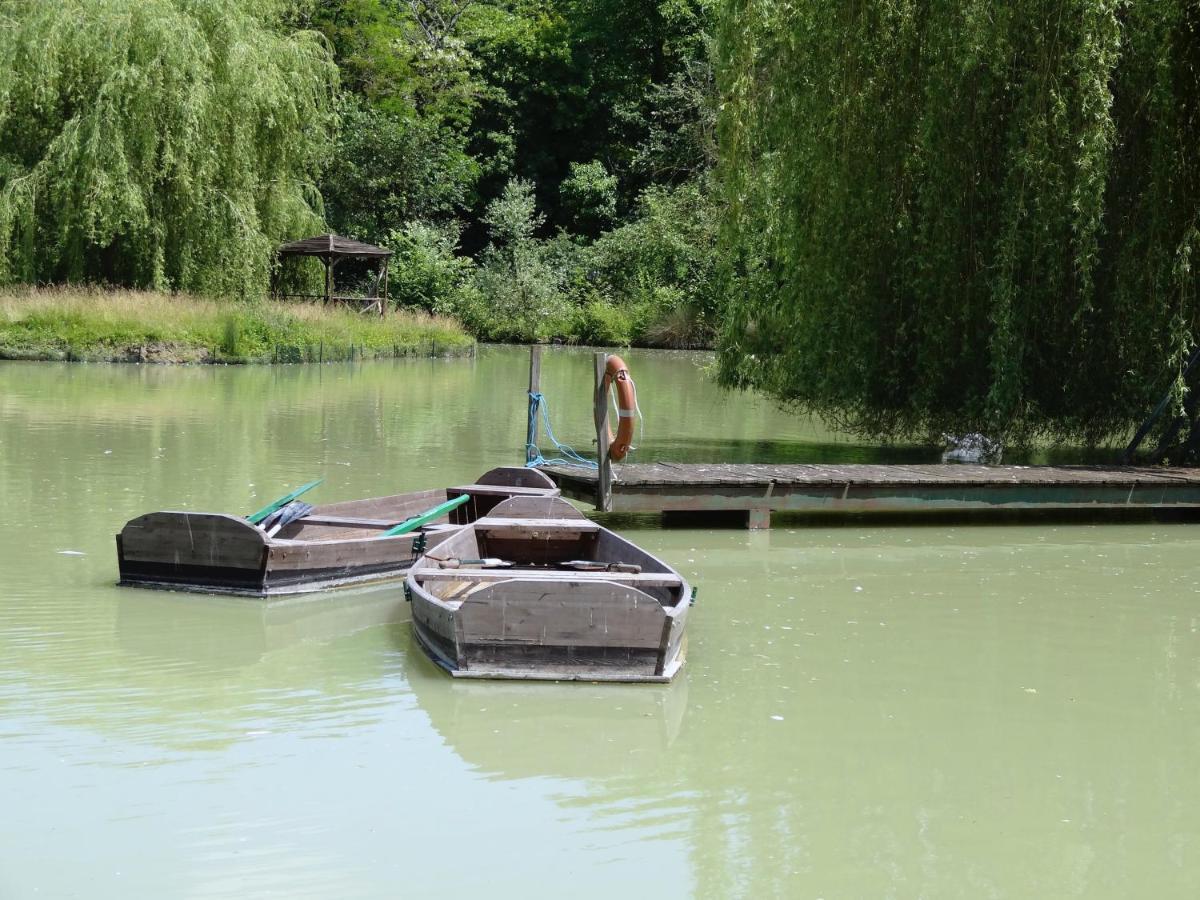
(650, 281)
(539, 168)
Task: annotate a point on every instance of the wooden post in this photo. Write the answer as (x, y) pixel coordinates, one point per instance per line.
(535, 386)
(604, 476)
(759, 517)
(383, 301)
(328, 279)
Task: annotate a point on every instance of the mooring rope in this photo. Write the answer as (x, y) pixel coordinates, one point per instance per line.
(534, 454)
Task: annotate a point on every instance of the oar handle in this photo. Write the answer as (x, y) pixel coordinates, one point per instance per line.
(426, 517)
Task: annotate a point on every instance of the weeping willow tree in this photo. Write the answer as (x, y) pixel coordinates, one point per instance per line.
(163, 143)
(957, 214)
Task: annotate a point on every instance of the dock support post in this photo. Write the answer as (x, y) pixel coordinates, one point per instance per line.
(759, 517)
(604, 476)
(535, 382)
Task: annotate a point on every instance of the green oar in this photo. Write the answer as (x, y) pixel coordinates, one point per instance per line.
(426, 517)
(257, 517)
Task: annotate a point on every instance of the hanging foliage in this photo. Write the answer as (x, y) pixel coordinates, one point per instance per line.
(961, 215)
(164, 143)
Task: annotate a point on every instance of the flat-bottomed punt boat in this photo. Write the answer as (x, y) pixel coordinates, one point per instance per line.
(535, 590)
(328, 546)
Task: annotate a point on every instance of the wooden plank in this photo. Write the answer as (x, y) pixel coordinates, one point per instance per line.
(563, 576)
(517, 477)
(496, 523)
(533, 533)
(349, 522)
(370, 551)
(639, 475)
(194, 539)
(426, 517)
(536, 508)
(754, 490)
(502, 490)
(593, 615)
(396, 507)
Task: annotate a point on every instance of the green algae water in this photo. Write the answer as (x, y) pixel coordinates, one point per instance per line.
(904, 710)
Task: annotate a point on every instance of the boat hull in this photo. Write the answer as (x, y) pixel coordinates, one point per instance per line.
(568, 664)
(538, 621)
(336, 545)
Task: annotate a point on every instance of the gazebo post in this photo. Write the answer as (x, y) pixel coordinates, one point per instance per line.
(328, 279)
(383, 298)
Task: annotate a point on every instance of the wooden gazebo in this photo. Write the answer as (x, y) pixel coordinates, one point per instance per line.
(331, 249)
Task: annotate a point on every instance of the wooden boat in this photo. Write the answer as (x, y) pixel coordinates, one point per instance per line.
(332, 545)
(534, 590)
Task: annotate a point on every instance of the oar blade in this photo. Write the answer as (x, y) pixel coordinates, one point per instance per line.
(257, 517)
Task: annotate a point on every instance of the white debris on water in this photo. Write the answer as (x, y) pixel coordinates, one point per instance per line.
(1031, 690)
(71, 553)
(777, 718)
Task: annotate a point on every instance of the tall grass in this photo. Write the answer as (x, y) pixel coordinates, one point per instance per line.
(140, 326)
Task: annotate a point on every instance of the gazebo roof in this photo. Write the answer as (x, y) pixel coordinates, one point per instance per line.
(331, 245)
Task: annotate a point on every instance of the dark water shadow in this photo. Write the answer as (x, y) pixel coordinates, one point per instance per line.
(773, 452)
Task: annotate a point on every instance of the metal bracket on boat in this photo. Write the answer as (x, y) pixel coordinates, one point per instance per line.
(691, 602)
(418, 545)
(592, 565)
(407, 592)
(492, 562)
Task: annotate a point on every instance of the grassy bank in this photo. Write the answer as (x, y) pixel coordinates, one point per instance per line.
(138, 326)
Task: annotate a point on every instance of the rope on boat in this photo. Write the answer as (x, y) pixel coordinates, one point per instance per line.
(567, 457)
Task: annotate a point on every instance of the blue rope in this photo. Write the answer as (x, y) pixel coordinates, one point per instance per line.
(568, 458)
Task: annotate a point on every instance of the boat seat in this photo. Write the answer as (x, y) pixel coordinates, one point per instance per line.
(638, 579)
(503, 490)
(351, 521)
(496, 523)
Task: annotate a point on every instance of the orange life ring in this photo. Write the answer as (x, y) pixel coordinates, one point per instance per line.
(616, 371)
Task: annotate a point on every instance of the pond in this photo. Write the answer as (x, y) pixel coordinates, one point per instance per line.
(868, 710)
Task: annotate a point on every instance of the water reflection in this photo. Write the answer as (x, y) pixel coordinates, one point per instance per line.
(220, 634)
(513, 730)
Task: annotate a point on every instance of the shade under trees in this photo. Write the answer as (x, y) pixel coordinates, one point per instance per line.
(959, 214)
(162, 143)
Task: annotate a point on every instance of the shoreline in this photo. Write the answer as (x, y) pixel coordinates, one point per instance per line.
(68, 324)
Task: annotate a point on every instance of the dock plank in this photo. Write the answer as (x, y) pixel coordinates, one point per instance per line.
(762, 488)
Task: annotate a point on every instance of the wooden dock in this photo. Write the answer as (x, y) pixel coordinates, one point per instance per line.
(755, 491)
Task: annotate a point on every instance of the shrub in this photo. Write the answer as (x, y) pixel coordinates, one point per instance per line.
(523, 295)
(425, 271)
(589, 197)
